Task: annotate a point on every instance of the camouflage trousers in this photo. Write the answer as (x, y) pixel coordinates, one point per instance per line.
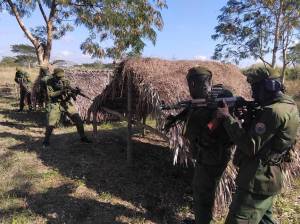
(205, 182)
(54, 116)
(249, 208)
(24, 95)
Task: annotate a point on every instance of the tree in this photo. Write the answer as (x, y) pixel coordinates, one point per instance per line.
(257, 28)
(25, 54)
(8, 61)
(126, 22)
(294, 55)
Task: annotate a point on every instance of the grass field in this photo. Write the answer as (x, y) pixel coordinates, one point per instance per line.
(72, 182)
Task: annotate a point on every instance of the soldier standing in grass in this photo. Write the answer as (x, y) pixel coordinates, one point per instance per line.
(210, 147)
(42, 89)
(262, 148)
(59, 104)
(22, 78)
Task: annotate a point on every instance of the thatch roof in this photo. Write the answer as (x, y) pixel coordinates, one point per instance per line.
(155, 81)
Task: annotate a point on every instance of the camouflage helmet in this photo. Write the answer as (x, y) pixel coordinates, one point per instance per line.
(255, 75)
(198, 70)
(58, 72)
(44, 71)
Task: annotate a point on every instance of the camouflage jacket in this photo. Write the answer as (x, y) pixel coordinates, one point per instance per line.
(209, 147)
(272, 132)
(56, 89)
(22, 78)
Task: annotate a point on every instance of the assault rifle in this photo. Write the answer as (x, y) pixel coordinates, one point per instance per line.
(211, 103)
(241, 108)
(74, 92)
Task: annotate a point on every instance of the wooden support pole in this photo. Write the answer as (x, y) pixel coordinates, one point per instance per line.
(95, 123)
(129, 119)
(136, 123)
(144, 123)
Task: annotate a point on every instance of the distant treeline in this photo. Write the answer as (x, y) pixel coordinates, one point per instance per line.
(13, 62)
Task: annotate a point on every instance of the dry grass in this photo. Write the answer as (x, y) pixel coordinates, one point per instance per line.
(7, 74)
(293, 89)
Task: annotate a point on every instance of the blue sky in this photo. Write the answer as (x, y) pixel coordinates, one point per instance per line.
(188, 26)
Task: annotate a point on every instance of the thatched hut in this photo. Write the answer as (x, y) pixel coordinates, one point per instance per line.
(155, 81)
(139, 87)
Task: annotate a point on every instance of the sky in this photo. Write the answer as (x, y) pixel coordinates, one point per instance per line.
(188, 26)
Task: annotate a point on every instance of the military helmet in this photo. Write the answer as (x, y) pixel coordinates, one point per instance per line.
(266, 76)
(255, 75)
(44, 71)
(199, 82)
(198, 70)
(58, 72)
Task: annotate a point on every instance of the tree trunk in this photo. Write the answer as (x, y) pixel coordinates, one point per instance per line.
(129, 120)
(284, 65)
(276, 35)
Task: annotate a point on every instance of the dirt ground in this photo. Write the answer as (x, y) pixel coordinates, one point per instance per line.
(73, 182)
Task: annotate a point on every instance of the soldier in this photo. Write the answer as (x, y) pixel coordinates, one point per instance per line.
(42, 89)
(262, 148)
(22, 78)
(211, 147)
(59, 104)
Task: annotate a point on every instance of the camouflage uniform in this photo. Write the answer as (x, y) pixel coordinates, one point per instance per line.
(212, 149)
(59, 105)
(261, 148)
(22, 78)
(42, 88)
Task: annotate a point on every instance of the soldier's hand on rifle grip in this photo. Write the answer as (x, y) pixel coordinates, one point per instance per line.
(223, 111)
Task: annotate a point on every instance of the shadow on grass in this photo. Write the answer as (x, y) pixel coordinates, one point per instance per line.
(23, 119)
(58, 205)
(151, 183)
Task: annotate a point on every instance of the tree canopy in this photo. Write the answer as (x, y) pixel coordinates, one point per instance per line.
(25, 54)
(123, 25)
(257, 29)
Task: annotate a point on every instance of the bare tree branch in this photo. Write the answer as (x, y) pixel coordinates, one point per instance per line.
(14, 9)
(42, 10)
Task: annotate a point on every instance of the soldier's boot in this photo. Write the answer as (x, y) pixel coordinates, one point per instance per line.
(22, 98)
(80, 129)
(21, 108)
(49, 130)
(29, 102)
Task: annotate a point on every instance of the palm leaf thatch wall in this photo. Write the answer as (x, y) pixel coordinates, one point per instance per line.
(92, 83)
